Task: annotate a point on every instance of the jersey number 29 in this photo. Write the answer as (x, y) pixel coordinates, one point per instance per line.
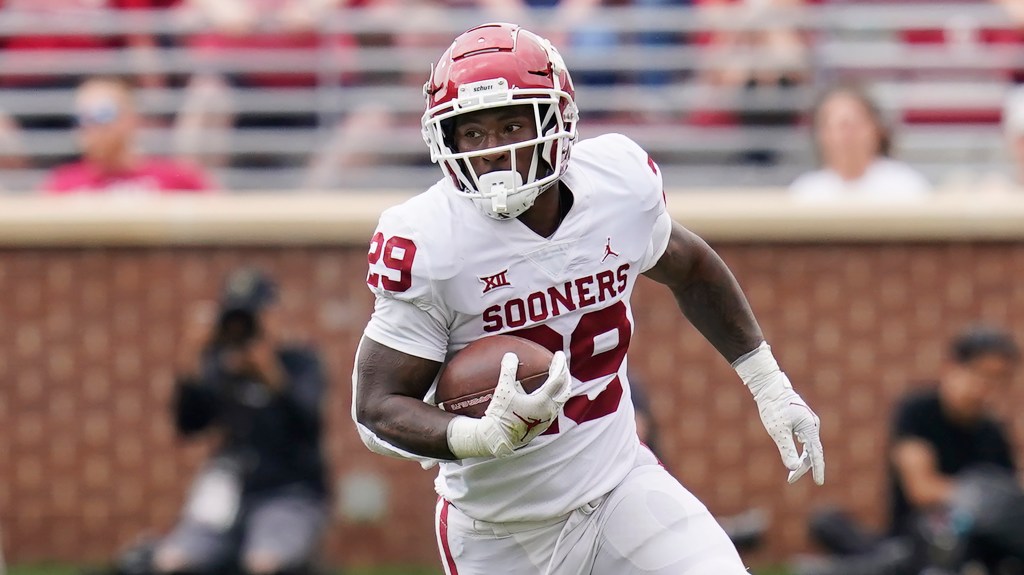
(386, 257)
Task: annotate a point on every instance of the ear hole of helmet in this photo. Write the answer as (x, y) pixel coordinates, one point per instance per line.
(448, 134)
(468, 170)
(547, 119)
(549, 125)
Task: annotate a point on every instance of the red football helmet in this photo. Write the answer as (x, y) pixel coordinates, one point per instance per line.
(496, 65)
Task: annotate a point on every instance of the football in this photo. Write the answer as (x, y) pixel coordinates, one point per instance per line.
(469, 378)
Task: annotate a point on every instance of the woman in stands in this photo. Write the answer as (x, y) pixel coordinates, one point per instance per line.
(853, 146)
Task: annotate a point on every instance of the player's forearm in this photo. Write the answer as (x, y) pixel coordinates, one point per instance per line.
(388, 387)
(715, 305)
(708, 294)
(409, 424)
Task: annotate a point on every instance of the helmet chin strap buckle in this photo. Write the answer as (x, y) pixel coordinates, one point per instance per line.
(497, 186)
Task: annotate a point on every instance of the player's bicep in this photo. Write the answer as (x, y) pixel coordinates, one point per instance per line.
(681, 255)
(417, 330)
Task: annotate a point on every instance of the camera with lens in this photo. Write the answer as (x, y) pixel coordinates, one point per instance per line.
(246, 293)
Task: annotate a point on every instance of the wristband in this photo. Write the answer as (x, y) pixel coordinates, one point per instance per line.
(757, 367)
(470, 437)
(465, 439)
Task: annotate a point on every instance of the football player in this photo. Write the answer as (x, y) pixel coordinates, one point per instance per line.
(532, 233)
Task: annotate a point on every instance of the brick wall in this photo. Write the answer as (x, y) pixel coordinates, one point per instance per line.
(88, 458)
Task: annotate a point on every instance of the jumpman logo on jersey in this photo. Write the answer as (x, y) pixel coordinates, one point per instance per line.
(608, 252)
(530, 424)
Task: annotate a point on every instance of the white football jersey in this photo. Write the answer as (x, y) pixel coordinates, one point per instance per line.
(445, 274)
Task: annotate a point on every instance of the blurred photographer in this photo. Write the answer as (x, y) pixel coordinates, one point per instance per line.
(956, 505)
(260, 503)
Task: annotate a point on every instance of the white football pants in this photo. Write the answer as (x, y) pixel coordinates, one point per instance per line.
(648, 525)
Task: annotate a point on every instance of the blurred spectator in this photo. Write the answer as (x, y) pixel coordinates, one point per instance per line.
(963, 37)
(568, 23)
(107, 127)
(953, 494)
(1013, 130)
(769, 52)
(1008, 177)
(236, 29)
(415, 26)
(1014, 9)
(261, 501)
(421, 25)
(45, 49)
(12, 151)
(853, 145)
(757, 58)
(32, 61)
(659, 39)
(945, 431)
(108, 122)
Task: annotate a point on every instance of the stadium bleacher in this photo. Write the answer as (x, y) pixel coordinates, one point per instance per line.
(944, 97)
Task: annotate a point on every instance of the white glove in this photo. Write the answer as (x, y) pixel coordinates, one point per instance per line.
(783, 413)
(514, 417)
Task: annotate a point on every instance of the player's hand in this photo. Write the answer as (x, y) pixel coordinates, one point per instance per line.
(521, 416)
(513, 417)
(785, 414)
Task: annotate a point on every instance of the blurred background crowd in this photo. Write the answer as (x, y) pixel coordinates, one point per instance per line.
(325, 94)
